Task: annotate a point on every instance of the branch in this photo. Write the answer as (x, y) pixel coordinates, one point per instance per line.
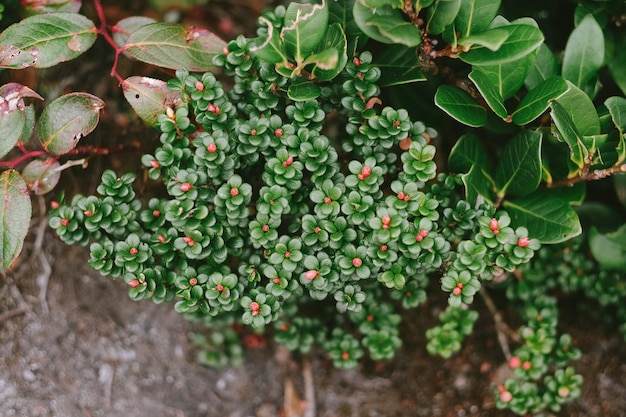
(102, 30)
(596, 174)
(502, 329)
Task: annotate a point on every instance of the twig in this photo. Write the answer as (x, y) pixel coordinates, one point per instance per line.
(596, 174)
(12, 313)
(44, 277)
(309, 388)
(502, 330)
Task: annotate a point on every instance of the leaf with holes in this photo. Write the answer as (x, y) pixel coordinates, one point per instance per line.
(149, 97)
(15, 213)
(45, 40)
(13, 115)
(41, 176)
(460, 105)
(66, 120)
(174, 46)
(335, 40)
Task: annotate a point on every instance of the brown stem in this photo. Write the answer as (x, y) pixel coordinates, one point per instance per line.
(586, 175)
(502, 329)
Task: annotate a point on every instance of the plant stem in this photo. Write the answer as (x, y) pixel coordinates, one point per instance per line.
(502, 329)
(28, 155)
(102, 30)
(596, 174)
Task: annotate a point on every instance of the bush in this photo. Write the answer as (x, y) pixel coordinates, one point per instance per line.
(301, 199)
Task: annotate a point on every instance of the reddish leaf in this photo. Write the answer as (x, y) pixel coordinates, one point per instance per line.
(32, 7)
(15, 213)
(13, 115)
(149, 97)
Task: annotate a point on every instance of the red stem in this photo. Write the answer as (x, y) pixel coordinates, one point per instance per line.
(102, 30)
(28, 155)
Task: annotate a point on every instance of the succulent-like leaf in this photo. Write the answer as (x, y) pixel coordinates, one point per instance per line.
(460, 105)
(66, 120)
(41, 176)
(15, 213)
(45, 40)
(149, 97)
(174, 46)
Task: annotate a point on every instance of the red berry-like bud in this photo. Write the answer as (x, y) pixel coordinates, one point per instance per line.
(506, 396)
(134, 283)
(386, 219)
(87, 213)
(287, 254)
(213, 109)
(311, 274)
(284, 327)
(185, 186)
(515, 362)
(396, 123)
(156, 213)
(356, 61)
(563, 392)
(424, 233)
(65, 222)
(278, 132)
(328, 200)
(234, 191)
(219, 288)
(317, 230)
(361, 177)
(189, 241)
(193, 281)
(383, 248)
(407, 197)
(211, 148)
(523, 242)
(154, 163)
(54, 205)
(288, 162)
(199, 86)
(401, 195)
(133, 251)
(527, 365)
(276, 280)
(366, 171)
(345, 356)
(253, 132)
(357, 262)
(370, 317)
(457, 291)
(254, 306)
(265, 228)
(161, 239)
(493, 224)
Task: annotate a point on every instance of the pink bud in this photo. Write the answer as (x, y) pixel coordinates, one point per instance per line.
(265, 228)
(523, 242)
(327, 200)
(386, 219)
(156, 213)
(311, 274)
(134, 283)
(193, 282)
(288, 162)
(234, 191)
(154, 163)
(65, 222)
(357, 262)
(506, 396)
(278, 132)
(493, 224)
(54, 205)
(211, 148)
(457, 291)
(185, 186)
(356, 61)
(401, 195)
(133, 251)
(515, 362)
(199, 86)
(527, 365)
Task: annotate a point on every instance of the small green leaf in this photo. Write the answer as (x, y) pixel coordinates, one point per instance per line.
(123, 28)
(335, 40)
(584, 52)
(491, 39)
(174, 46)
(609, 249)
(303, 90)
(519, 168)
(522, 40)
(149, 97)
(547, 218)
(489, 92)
(41, 176)
(617, 110)
(45, 40)
(545, 66)
(568, 133)
(538, 100)
(66, 120)
(15, 213)
(475, 15)
(303, 29)
(460, 106)
(385, 24)
(399, 65)
(441, 15)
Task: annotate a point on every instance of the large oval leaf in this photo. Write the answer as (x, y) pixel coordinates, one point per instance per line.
(45, 40)
(174, 46)
(303, 29)
(490, 92)
(544, 67)
(547, 218)
(13, 115)
(609, 249)
(441, 14)
(123, 28)
(475, 15)
(385, 24)
(15, 213)
(538, 100)
(41, 176)
(584, 52)
(460, 105)
(519, 169)
(66, 120)
(149, 97)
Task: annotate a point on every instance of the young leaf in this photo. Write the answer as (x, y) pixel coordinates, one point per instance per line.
(584, 52)
(538, 100)
(45, 40)
(545, 66)
(522, 40)
(489, 92)
(385, 25)
(41, 176)
(475, 15)
(66, 120)
(13, 115)
(15, 213)
(519, 169)
(399, 65)
(304, 28)
(568, 133)
(547, 218)
(441, 15)
(460, 106)
(174, 46)
(123, 28)
(609, 249)
(617, 110)
(149, 97)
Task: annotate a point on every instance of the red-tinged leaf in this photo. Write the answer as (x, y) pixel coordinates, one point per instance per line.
(41, 176)
(174, 46)
(32, 7)
(123, 28)
(13, 115)
(15, 213)
(149, 97)
(45, 40)
(66, 120)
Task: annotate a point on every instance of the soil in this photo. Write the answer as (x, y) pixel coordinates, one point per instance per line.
(72, 344)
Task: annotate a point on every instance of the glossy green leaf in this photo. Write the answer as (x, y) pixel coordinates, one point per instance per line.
(491, 39)
(66, 120)
(269, 48)
(547, 218)
(617, 61)
(340, 11)
(538, 100)
(174, 46)
(581, 110)
(507, 78)
(460, 106)
(303, 29)
(149, 97)
(522, 40)
(399, 65)
(469, 156)
(568, 133)
(45, 40)
(442, 14)
(584, 52)
(385, 25)
(617, 110)
(598, 12)
(475, 15)
(13, 115)
(489, 91)
(519, 168)
(303, 90)
(545, 66)
(335, 41)
(50, 6)
(122, 30)
(41, 176)
(15, 214)
(609, 249)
